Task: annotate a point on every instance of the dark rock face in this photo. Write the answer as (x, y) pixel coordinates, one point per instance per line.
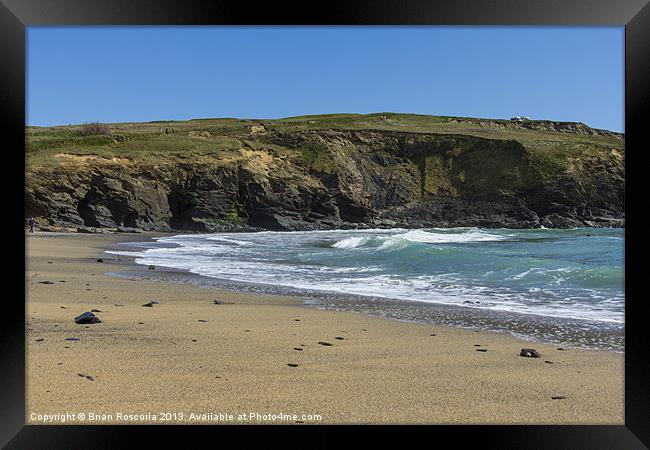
(338, 179)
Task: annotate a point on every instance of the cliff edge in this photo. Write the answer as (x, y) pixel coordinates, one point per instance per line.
(322, 172)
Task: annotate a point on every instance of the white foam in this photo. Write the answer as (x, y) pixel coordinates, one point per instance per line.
(292, 259)
(352, 242)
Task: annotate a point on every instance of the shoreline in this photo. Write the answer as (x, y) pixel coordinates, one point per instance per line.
(532, 327)
(239, 360)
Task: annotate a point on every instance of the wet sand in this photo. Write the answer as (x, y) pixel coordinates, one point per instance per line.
(187, 355)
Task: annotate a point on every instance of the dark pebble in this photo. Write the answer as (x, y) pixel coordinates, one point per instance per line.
(477, 345)
(327, 344)
(72, 339)
(117, 305)
(193, 340)
(432, 334)
(140, 323)
(201, 320)
(296, 320)
(297, 348)
(559, 397)
(63, 307)
(217, 302)
(87, 317)
(95, 310)
(46, 282)
(148, 305)
(152, 267)
(339, 338)
(90, 378)
(292, 365)
(529, 353)
(100, 260)
(481, 349)
(81, 375)
(560, 348)
(39, 339)
(548, 362)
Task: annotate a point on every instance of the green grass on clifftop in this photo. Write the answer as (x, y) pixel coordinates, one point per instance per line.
(154, 142)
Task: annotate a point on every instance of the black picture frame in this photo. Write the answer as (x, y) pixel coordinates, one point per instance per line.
(16, 15)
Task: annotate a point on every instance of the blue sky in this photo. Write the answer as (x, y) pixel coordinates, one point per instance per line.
(125, 74)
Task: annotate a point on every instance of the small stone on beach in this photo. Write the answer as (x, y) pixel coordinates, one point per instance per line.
(148, 305)
(152, 267)
(95, 310)
(72, 339)
(201, 320)
(46, 282)
(327, 344)
(39, 339)
(298, 348)
(529, 353)
(292, 365)
(481, 349)
(339, 338)
(100, 260)
(87, 317)
(558, 397)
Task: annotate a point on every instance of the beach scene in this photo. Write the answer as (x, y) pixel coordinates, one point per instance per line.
(456, 264)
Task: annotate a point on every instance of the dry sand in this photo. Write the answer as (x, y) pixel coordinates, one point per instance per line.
(164, 361)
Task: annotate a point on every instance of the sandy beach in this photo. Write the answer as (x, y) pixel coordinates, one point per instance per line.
(261, 354)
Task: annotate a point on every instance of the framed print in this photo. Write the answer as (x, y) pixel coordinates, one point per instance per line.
(377, 214)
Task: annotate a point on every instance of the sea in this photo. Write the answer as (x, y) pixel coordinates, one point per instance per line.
(549, 285)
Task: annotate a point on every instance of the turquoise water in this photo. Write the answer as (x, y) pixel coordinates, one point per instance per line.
(553, 273)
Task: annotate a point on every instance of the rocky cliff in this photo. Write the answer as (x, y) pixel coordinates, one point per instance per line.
(327, 172)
